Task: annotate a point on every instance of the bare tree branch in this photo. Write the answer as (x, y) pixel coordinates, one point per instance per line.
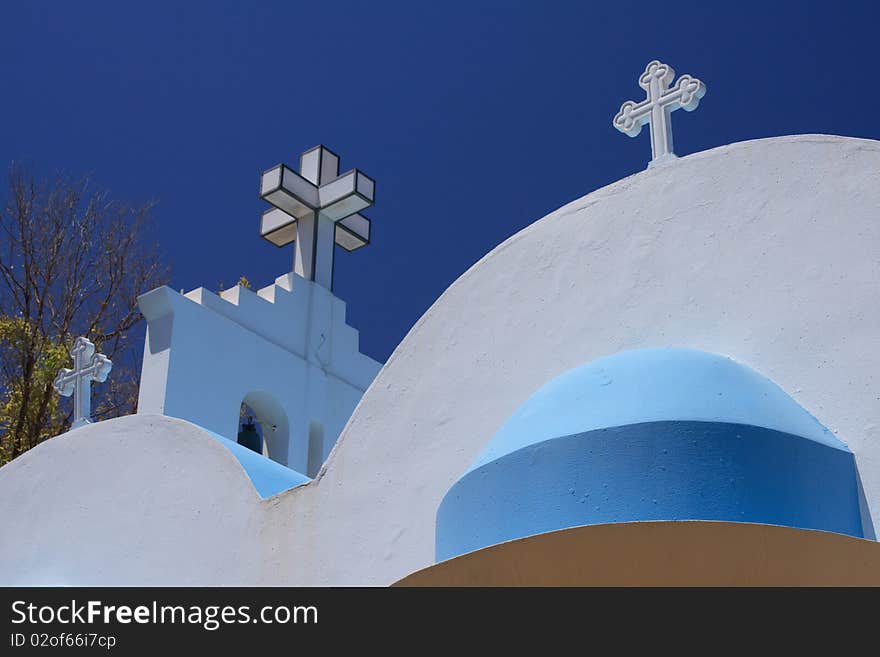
(72, 262)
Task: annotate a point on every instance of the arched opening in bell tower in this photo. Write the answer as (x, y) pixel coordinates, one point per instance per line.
(264, 426)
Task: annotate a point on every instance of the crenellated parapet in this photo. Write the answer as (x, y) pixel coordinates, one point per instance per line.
(276, 313)
(286, 350)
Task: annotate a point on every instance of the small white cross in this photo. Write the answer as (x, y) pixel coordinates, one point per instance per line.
(657, 108)
(316, 208)
(88, 366)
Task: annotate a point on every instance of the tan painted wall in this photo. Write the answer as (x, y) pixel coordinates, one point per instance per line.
(694, 553)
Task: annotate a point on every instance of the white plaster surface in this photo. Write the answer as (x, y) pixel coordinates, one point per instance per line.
(148, 500)
(658, 107)
(766, 251)
(286, 350)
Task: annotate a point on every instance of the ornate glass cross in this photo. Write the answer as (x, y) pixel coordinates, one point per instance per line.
(316, 208)
(657, 108)
(88, 366)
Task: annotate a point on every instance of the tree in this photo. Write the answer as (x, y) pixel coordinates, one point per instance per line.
(72, 262)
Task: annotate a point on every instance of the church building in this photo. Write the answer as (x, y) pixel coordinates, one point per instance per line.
(671, 380)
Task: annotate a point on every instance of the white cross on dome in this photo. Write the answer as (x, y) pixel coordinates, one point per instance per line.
(88, 366)
(657, 108)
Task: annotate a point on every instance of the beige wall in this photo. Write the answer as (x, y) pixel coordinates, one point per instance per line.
(694, 553)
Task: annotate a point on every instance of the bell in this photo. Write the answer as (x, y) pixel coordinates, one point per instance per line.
(249, 437)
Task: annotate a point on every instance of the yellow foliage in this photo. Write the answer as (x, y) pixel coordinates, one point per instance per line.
(15, 337)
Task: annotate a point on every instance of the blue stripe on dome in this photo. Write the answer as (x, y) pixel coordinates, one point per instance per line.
(653, 434)
(677, 470)
(650, 385)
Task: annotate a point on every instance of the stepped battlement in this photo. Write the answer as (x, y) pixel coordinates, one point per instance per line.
(292, 313)
(285, 350)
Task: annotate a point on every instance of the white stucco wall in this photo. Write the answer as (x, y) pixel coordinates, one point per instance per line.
(765, 251)
(143, 499)
(285, 350)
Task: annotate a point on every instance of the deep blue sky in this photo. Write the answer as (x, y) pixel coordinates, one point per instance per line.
(475, 118)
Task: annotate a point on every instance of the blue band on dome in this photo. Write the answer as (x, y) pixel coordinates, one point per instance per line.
(650, 385)
(653, 434)
(676, 470)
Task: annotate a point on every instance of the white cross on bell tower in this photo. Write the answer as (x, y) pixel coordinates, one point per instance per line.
(657, 108)
(316, 208)
(88, 366)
